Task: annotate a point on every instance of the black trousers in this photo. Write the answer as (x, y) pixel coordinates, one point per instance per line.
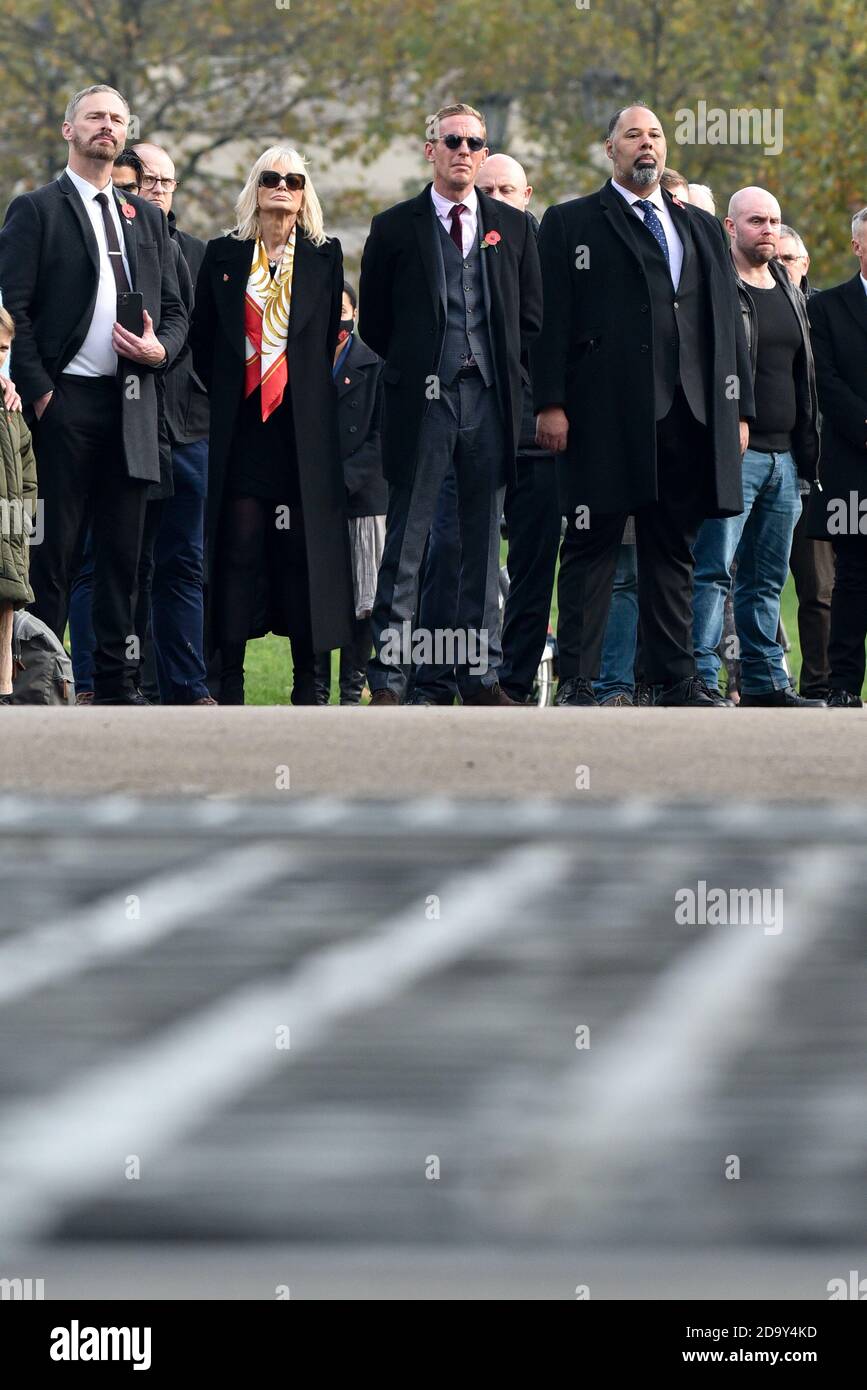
(82, 477)
(665, 532)
(532, 512)
(812, 566)
(848, 614)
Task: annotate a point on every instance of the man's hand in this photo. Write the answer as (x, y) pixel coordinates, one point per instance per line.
(744, 431)
(40, 405)
(552, 429)
(147, 349)
(10, 395)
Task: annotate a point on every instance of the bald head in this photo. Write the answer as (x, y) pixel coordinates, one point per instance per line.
(503, 178)
(157, 164)
(753, 224)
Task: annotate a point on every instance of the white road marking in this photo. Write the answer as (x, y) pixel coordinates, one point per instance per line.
(99, 932)
(72, 1144)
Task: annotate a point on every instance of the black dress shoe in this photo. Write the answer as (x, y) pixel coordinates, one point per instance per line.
(843, 699)
(5, 699)
(643, 694)
(575, 691)
(787, 698)
(688, 694)
(717, 696)
(127, 697)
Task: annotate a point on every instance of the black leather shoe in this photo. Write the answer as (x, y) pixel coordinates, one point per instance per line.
(493, 695)
(5, 699)
(128, 697)
(643, 695)
(688, 694)
(787, 698)
(843, 699)
(717, 696)
(575, 691)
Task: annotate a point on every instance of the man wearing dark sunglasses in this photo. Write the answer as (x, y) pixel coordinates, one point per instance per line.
(450, 293)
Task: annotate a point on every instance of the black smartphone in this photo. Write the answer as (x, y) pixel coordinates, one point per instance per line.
(130, 311)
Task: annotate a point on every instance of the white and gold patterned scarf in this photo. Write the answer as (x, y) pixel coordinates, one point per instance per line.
(266, 322)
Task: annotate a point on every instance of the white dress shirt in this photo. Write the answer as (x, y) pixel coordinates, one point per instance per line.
(675, 245)
(863, 282)
(96, 356)
(469, 219)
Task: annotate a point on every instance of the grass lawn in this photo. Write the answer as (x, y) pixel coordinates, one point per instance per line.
(268, 670)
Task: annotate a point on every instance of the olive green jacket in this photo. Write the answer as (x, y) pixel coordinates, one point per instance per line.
(17, 506)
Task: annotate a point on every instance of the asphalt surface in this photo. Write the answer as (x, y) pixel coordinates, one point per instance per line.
(429, 1048)
(281, 752)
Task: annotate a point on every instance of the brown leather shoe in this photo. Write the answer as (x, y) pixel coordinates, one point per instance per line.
(489, 695)
(384, 697)
(84, 697)
(205, 700)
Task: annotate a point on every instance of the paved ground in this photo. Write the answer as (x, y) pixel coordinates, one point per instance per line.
(418, 752)
(331, 1045)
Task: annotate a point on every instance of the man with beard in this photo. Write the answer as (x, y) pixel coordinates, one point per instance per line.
(640, 379)
(783, 447)
(67, 251)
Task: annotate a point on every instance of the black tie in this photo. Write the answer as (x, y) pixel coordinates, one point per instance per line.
(114, 252)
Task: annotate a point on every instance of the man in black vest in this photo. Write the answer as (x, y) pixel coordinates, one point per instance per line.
(642, 386)
(450, 293)
(66, 251)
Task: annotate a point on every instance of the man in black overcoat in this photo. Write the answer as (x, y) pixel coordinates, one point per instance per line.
(450, 293)
(643, 389)
(838, 329)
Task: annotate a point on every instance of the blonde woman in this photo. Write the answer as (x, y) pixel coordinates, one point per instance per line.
(265, 326)
(17, 511)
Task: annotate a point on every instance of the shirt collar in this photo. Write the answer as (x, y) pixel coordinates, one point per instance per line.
(86, 190)
(863, 282)
(342, 358)
(655, 197)
(445, 205)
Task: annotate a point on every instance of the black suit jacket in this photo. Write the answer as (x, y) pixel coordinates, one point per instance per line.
(49, 271)
(402, 313)
(594, 356)
(838, 329)
(217, 339)
(186, 400)
(359, 425)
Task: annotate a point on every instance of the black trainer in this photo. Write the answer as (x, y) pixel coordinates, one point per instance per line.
(575, 691)
(715, 694)
(843, 699)
(689, 693)
(787, 698)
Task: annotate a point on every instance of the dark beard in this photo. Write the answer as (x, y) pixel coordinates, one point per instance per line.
(107, 153)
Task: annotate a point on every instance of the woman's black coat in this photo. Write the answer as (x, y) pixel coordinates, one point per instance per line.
(217, 339)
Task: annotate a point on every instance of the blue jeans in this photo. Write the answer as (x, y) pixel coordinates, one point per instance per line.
(761, 538)
(617, 669)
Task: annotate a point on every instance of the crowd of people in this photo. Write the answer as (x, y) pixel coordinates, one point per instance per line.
(223, 440)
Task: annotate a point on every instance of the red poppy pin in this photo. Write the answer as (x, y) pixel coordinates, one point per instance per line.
(491, 239)
(128, 211)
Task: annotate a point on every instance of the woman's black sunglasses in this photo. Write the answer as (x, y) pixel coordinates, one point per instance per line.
(269, 178)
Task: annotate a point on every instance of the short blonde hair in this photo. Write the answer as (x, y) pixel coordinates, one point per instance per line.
(310, 219)
(7, 323)
(457, 108)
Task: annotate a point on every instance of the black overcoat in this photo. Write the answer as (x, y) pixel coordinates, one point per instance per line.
(217, 340)
(594, 356)
(838, 329)
(402, 315)
(359, 426)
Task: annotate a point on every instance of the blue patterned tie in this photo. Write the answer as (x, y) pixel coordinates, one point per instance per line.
(653, 224)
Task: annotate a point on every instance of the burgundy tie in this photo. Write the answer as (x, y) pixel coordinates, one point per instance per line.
(455, 230)
(115, 255)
